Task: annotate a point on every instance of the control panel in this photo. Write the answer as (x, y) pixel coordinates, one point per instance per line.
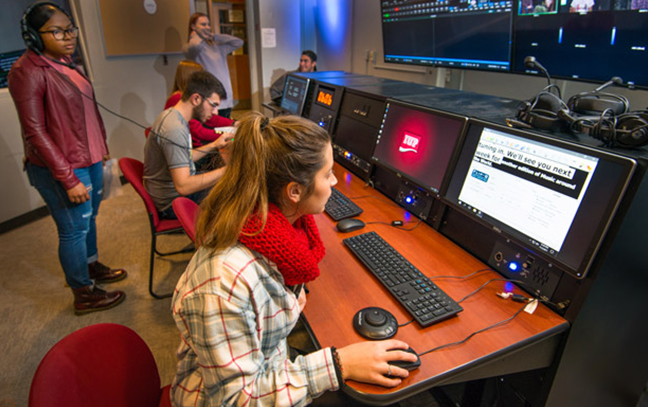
(325, 105)
(414, 199)
(516, 263)
(345, 156)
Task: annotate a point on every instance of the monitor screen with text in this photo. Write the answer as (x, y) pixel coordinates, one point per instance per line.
(554, 197)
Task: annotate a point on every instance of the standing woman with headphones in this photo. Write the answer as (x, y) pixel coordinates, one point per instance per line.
(65, 145)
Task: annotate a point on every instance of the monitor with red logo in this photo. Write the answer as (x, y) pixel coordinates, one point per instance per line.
(418, 143)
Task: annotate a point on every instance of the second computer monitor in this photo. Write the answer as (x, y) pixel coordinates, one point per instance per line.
(294, 96)
(418, 143)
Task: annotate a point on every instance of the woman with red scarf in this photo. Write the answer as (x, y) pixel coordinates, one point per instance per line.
(233, 306)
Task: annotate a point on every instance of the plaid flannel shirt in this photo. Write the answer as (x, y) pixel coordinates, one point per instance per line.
(234, 314)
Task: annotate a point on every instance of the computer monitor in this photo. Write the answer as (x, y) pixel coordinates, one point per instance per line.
(554, 198)
(294, 96)
(7, 59)
(417, 143)
(474, 34)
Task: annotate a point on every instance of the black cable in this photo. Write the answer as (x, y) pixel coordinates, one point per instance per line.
(406, 323)
(463, 277)
(395, 226)
(461, 342)
(376, 197)
(481, 287)
(124, 117)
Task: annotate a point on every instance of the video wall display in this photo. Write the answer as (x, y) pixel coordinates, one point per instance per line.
(590, 40)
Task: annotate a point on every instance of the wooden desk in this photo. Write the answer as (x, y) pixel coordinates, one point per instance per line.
(346, 286)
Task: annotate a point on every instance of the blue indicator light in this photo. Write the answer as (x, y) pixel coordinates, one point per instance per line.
(513, 266)
(409, 199)
(321, 124)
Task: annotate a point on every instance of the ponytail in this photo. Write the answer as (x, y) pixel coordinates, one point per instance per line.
(265, 157)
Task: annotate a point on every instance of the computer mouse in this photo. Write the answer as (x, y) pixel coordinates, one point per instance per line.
(409, 366)
(349, 225)
(375, 323)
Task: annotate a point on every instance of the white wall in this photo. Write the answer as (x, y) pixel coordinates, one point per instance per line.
(285, 17)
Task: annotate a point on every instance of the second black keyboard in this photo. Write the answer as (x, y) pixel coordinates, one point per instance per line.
(340, 207)
(425, 302)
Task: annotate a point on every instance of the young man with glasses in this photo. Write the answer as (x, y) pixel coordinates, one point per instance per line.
(169, 169)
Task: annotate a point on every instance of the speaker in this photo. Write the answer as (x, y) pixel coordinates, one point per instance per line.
(541, 112)
(628, 130)
(30, 36)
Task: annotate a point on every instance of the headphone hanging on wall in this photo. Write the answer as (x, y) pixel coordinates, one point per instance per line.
(30, 36)
(595, 102)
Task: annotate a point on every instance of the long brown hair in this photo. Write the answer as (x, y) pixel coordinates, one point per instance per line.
(266, 156)
(183, 72)
(192, 21)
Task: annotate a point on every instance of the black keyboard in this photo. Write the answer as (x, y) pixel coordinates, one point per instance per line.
(340, 207)
(426, 302)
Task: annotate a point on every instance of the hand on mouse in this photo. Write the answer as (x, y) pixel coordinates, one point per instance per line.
(367, 362)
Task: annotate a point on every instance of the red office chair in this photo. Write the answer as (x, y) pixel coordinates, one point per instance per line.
(133, 171)
(99, 365)
(187, 212)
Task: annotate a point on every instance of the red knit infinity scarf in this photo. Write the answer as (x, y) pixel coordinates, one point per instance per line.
(295, 249)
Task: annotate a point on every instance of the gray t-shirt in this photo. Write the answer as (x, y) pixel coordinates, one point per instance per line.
(167, 147)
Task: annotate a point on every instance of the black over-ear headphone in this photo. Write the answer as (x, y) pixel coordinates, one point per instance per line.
(30, 36)
(541, 112)
(596, 103)
(625, 130)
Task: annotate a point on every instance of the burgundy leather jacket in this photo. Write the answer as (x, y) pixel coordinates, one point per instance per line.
(50, 108)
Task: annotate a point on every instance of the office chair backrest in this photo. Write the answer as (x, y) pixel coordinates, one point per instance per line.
(99, 365)
(187, 212)
(133, 171)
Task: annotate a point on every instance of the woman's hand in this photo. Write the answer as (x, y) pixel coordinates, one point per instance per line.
(223, 141)
(302, 300)
(78, 194)
(195, 37)
(367, 362)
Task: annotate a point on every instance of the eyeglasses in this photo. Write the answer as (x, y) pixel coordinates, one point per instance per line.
(212, 104)
(59, 34)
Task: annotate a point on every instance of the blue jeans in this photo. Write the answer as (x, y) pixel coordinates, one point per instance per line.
(75, 223)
